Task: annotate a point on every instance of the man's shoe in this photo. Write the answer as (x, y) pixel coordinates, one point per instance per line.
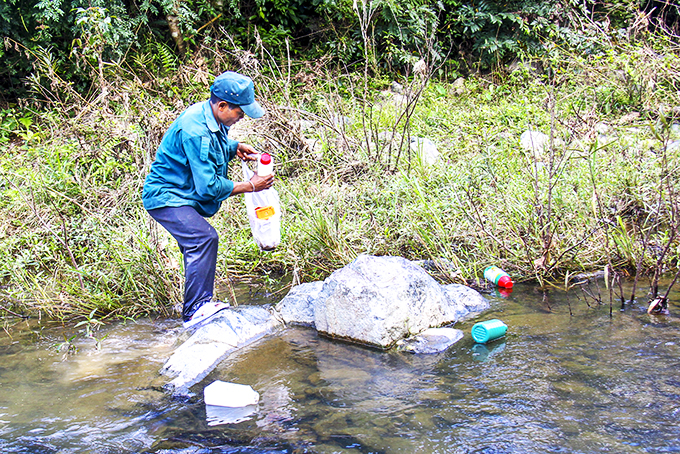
(205, 313)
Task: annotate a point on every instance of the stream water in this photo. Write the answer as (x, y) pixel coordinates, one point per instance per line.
(556, 383)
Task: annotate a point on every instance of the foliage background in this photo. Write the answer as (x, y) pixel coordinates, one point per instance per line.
(470, 36)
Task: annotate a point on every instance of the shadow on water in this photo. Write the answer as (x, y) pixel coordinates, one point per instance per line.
(556, 382)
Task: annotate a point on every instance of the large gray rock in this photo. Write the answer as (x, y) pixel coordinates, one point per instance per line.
(379, 300)
(228, 330)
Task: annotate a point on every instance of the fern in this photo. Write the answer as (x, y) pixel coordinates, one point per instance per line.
(166, 57)
(143, 60)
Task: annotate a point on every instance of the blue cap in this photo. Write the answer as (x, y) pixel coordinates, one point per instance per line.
(239, 90)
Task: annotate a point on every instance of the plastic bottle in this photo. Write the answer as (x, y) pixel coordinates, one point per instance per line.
(265, 166)
(498, 277)
(489, 330)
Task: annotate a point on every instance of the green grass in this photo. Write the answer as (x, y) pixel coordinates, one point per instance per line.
(75, 238)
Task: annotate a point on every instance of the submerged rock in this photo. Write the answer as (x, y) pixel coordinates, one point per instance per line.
(433, 340)
(228, 330)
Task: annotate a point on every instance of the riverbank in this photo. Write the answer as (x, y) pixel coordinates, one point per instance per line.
(600, 193)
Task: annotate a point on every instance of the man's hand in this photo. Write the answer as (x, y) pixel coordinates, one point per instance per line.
(256, 184)
(246, 152)
(262, 183)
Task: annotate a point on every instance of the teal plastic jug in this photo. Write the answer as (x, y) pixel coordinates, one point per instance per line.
(489, 330)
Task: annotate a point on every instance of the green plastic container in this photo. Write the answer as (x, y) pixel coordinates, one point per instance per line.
(489, 330)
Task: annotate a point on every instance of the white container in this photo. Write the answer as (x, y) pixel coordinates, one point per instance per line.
(223, 394)
(265, 165)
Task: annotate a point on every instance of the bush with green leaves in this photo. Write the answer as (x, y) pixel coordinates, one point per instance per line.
(490, 32)
(82, 36)
(99, 29)
(84, 39)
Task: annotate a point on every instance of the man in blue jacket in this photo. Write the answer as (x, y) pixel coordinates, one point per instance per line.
(188, 182)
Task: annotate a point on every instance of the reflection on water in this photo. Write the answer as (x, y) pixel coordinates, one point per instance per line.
(555, 383)
(217, 416)
(486, 352)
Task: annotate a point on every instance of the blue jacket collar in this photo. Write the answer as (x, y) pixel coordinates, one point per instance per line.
(210, 117)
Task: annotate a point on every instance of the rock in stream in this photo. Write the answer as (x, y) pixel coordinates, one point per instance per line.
(374, 301)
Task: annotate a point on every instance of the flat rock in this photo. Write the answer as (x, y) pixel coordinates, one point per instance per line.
(228, 331)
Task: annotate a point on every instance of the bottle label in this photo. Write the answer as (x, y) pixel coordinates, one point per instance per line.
(493, 274)
(264, 212)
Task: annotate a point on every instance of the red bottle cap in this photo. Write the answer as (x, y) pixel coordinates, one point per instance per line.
(265, 159)
(505, 281)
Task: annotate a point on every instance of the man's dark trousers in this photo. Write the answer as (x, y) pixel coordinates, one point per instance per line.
(198, 241)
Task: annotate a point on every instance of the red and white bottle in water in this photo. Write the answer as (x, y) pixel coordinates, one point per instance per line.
(498, 277)
(265, 166)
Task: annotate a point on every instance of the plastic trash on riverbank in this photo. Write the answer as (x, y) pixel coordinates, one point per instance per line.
(426, 149)
(223, 394)
(498, 277)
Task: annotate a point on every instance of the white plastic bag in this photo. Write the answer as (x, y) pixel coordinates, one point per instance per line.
(266, 228)
(426, 149)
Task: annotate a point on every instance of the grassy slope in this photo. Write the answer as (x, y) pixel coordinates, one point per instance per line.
(74, 237)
